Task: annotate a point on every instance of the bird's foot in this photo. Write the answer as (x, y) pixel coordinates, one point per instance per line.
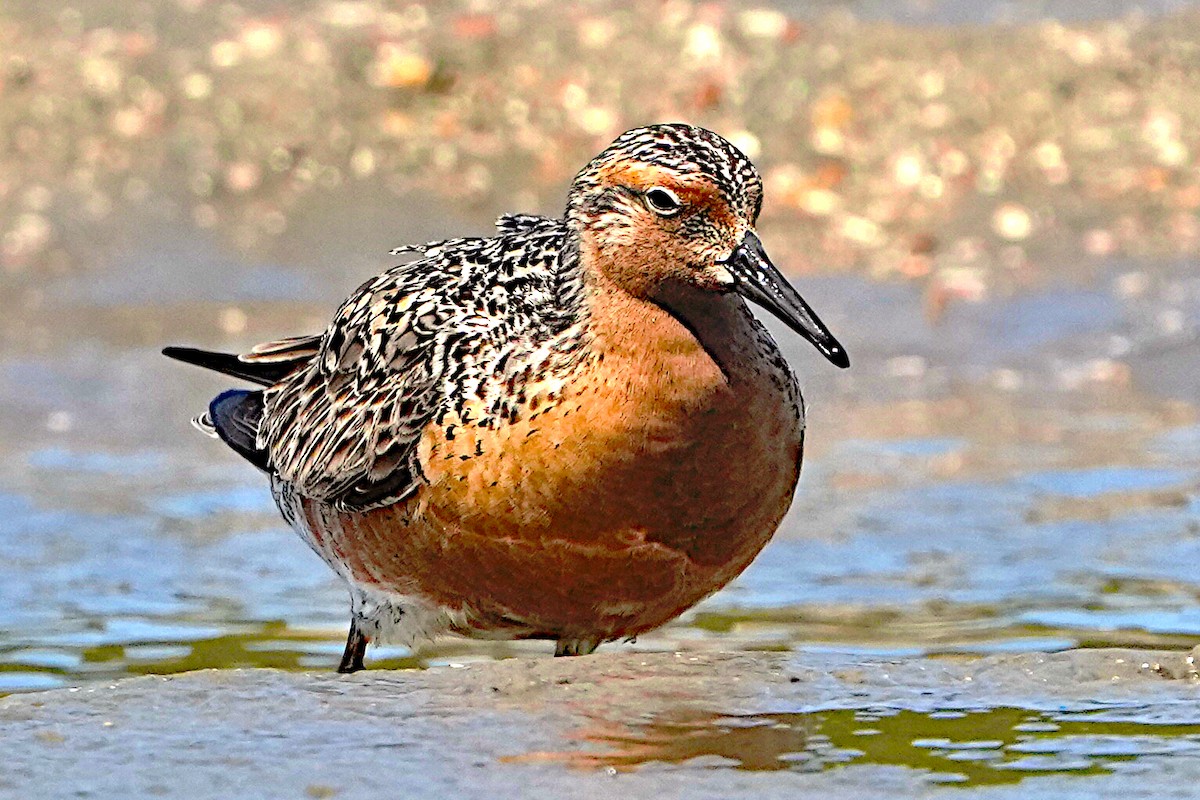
(356, 648)
(575, 647)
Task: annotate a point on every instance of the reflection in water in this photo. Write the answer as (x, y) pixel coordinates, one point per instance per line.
(963, 747)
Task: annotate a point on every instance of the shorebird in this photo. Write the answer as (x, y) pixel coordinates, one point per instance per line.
(572, 430)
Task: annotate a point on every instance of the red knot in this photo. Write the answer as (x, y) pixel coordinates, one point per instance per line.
(573, 430)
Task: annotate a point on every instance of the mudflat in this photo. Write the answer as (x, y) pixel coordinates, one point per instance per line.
(1083, 723)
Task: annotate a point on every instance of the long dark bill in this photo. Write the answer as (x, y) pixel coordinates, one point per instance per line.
(759, 281)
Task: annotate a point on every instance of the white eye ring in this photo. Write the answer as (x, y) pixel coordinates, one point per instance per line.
(662, 200)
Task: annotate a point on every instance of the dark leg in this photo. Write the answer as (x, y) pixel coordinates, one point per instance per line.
(356, 648)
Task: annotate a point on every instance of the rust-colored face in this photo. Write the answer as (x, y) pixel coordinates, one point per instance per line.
(656, 225)
(672, 205)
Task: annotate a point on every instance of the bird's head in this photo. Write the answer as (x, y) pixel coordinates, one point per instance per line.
(670, 205)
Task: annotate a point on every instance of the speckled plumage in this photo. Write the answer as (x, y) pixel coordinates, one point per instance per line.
(573, 429)
(468, 320)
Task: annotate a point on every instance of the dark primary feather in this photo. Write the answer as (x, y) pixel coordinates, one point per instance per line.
(266, 365)
(228, 364)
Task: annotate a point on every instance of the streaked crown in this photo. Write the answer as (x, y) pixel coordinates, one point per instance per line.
(687, 151)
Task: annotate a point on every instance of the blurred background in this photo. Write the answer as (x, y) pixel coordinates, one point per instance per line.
(994, 205)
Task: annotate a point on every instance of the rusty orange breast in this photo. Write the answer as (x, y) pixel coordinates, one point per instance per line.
(621, 496)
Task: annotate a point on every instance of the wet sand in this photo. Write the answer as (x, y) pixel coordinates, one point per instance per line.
(1080, 724)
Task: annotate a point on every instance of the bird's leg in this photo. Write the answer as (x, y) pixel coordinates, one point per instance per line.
(575, 647)
(356, 648)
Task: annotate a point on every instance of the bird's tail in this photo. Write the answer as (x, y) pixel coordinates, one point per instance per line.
(234, 416)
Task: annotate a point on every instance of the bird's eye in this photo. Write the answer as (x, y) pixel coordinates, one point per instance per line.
(663, 201)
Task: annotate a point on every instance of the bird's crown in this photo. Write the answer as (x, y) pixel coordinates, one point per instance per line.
(683, 153)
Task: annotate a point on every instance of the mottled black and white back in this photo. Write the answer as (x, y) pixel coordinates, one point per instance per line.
(467, 320)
